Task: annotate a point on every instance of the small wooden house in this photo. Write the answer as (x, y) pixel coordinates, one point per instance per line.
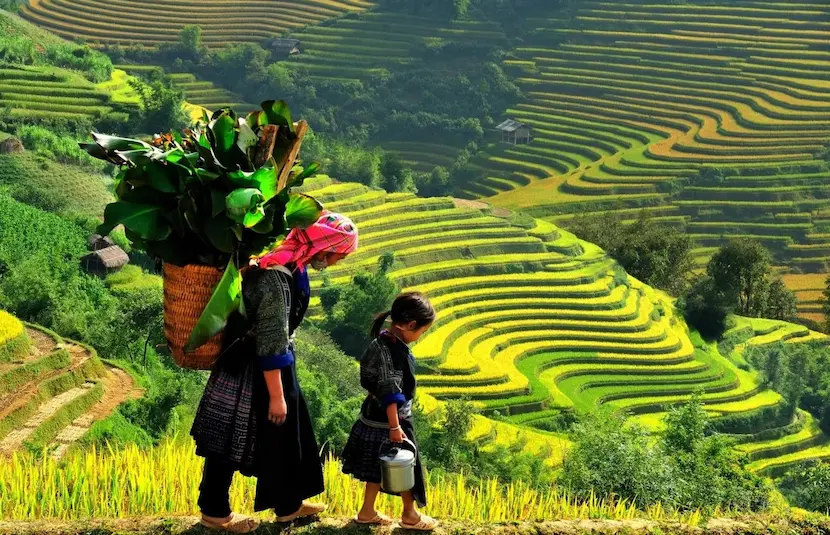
(96, 242)
(284, 47)
(104, 261)
(515, 133)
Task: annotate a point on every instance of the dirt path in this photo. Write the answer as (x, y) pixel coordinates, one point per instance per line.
(118, 387)
(42, 343)
(12, 401)
(479, 205)
(15, 439)
(189, 525)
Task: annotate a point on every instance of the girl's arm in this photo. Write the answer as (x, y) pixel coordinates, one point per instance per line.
(379, 376)
(396, 434)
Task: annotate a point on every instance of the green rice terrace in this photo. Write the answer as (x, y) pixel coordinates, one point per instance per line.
(52, 390)
(40, 92)
(135, 22)
(535, 321)
(630, 101)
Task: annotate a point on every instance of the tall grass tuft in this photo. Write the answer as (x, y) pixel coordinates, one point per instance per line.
(133, 481)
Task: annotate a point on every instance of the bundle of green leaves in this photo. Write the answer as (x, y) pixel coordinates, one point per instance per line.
(215, 195)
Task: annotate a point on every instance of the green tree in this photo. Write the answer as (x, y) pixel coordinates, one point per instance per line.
(705, 307)
(739, 269)
(808, 486)
(351, 308)
(162, 105)
(781, 303)
(190, 38)
(611, 458)
(652, 253)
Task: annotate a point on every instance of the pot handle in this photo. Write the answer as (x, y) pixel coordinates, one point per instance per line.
(406, 441)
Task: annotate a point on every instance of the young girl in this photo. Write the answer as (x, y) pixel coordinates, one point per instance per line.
(387, 372)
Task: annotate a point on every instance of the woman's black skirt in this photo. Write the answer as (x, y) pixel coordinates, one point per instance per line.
(360, 456)
(232, 425)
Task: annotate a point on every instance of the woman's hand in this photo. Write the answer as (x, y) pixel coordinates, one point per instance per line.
(396, 435)
(277, 410)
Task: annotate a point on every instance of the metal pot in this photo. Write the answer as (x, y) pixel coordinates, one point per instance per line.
(397, 466)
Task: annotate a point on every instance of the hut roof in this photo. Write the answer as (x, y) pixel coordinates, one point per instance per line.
(511, 126)
(284, 44)
(96, 241)
(112, 256)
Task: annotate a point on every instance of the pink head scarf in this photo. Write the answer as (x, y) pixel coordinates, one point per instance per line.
(332, 233)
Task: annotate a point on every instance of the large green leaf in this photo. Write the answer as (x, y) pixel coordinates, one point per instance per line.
(145, 220)
(119, 143)
(278, 113)
(256, 119)
(223, 132)
(254, 218)
(301, 174)
(247, 137)
(302, 210)
(223, 302)
(161, 177)
(218, 231)
(242, 201)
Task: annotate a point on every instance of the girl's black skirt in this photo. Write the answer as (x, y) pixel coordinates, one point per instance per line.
(360, 456)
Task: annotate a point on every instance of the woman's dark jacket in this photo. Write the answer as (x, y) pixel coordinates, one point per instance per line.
(231, 422)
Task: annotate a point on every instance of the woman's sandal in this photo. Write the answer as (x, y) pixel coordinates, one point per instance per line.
(306, 509)
(237, 524)
(378, 520)
(426, 523)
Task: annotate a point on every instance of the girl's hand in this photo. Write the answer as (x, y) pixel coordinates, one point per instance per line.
(277, 410)
(396, 435)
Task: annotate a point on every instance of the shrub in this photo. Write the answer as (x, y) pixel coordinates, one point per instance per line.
(808, 486)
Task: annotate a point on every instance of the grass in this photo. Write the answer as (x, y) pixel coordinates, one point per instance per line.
(71, 189)
(133, 481)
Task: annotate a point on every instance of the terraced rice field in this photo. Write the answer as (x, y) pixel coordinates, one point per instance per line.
(222, 21)
(197, 92)
(37, 93)
(52, 390)
(372, 43)
(629, 98)
(808, 290)
(535, 322)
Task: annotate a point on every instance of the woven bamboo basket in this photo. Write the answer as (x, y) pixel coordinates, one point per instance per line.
(187, 291)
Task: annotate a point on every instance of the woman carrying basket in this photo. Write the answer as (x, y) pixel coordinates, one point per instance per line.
(252, 417)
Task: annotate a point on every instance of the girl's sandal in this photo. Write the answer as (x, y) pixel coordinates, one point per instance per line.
(424, 524)
(237, 524)
(378, 520)
(306, 509)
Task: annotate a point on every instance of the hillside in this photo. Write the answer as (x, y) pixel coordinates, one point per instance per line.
(631, 101)
(534, 322)
(45, 78)
(62, 188)
(52, 390)
(248, 21)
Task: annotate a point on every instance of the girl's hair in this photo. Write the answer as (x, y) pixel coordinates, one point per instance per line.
(408, 307)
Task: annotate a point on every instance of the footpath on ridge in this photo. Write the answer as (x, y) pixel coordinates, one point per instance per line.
(189, 525)
(55, 392)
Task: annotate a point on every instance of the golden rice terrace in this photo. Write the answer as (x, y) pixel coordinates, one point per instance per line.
(630, 101)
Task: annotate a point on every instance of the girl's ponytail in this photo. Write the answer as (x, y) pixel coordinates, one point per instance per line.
(380, 319)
